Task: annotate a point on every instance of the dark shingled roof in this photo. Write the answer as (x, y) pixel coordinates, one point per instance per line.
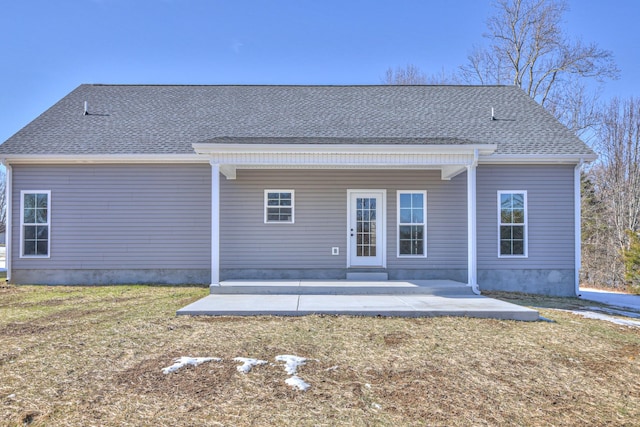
(142, 119)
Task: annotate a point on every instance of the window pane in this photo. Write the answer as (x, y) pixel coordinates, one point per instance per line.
(29, 200)
(518, 232)
(405, 232)
(518, 216)
(29, 232)
(30, 216)
(42, 232)
(418, 232)
(505, 201)
(505, 247)
(42, 247)
(505, 217)
(417, 200)
(41, 216)
(418, 216)
(505, 232)
(405, 200)
(405, 216)
(518, 247)
(41, 200)
(518, 201)
(29, 247)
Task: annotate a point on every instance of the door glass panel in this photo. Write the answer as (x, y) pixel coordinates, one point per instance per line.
(366, 226)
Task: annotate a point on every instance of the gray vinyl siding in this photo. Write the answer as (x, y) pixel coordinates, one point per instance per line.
(145, 220)
(550, 202)
(321, 218)
(123, 217)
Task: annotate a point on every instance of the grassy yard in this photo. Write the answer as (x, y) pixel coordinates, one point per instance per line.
(93, 356)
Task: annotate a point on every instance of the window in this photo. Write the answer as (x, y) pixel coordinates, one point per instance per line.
(512, 223)
(278, 206)
(412, 208)
(35, 219)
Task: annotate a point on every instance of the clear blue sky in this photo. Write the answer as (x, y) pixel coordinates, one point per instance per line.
(48, 47)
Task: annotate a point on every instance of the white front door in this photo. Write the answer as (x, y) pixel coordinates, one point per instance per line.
(366, 228)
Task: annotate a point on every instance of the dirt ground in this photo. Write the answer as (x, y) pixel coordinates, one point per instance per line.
(83, 356)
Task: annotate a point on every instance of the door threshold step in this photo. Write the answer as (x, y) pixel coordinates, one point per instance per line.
(364, 275)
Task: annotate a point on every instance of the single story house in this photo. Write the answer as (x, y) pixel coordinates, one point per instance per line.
(177, 184)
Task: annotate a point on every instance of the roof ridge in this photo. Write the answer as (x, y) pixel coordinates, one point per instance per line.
(292, 85)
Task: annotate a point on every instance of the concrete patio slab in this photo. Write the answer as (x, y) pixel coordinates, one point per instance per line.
(400, 305)
(243, 305)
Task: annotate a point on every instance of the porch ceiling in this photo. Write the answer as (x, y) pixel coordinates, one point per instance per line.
(450, 159)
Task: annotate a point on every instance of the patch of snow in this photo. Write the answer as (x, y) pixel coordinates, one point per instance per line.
(376, 406)
(291, 367)
(183, 361)
(367, 385)
(291, 362)
(248, 363)
(615, 312)
(333, 368)
(600, 316)
(297, 382)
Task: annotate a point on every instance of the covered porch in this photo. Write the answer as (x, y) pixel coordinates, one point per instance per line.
(235, 158)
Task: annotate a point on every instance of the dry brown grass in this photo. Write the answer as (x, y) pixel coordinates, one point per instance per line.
(93, 356)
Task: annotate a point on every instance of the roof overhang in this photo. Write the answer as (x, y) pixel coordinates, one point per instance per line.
(100, 158)
(451, 160)
(541, 159)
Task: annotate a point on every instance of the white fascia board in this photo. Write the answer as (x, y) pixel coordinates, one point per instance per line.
(536, 158)
(212, 148)
(103, 158)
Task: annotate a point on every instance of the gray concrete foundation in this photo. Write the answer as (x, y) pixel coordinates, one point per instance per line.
(111, 277)
(544, 282)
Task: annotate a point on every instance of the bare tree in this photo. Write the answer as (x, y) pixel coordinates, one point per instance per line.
(619, 176)
(528, 48)
(412, 75)
(614, 204)
(409, 75)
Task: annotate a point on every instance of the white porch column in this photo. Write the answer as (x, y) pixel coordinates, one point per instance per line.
(472, 253)
(215, 224)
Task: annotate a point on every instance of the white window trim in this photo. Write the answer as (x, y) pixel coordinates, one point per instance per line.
(526, 223)
(22, 224)
(293, 206)
(424, 207)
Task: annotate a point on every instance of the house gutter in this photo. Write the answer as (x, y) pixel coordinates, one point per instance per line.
(472, 245)
(8, 198)
(577, 207)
